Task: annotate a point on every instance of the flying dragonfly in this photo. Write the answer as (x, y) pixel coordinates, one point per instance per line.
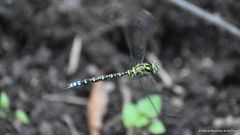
(137, 33)
(140, 70)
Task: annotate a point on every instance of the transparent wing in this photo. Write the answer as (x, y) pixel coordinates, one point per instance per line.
(149, 87)
(137, 32)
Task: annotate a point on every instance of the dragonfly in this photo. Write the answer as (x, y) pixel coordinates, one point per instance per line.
(137, 33)
(140, 70)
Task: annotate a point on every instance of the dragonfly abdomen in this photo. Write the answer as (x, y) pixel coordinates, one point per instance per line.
(95, 79)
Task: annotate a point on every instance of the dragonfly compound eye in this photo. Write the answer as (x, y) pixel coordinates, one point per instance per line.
(155, 67)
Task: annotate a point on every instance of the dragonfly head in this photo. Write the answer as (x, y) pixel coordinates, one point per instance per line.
(155, 67)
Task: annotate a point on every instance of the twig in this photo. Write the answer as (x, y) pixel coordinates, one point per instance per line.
(163, 74)
(74, 55)
(65, 98)
(70, 125)
(215, 20)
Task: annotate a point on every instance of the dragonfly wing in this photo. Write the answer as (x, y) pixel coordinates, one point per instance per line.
(148, 90)
(168, 111)
(137, 32)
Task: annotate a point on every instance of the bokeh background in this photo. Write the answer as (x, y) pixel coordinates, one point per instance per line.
(37, 39)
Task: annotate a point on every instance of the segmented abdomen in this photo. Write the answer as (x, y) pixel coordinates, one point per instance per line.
(95, 79)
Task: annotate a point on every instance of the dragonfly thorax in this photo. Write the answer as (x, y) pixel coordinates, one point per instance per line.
(144, 69)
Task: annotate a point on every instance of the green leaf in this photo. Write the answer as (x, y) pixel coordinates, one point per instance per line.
(157, 127)
(150, 106)
(22, 116)
(4, 102)
(142, 121)
(129, 114)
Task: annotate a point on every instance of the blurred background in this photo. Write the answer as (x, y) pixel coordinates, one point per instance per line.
(46, 44)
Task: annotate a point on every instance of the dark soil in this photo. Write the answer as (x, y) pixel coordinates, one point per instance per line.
(35, 42)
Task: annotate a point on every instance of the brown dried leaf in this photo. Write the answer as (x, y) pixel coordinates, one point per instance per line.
(97, 106)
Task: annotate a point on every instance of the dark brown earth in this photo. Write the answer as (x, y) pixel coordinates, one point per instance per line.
(202, 60)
